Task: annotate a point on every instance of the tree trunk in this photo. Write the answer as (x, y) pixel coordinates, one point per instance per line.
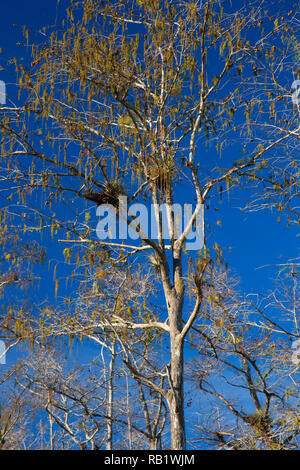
(110, 400)
(176, 392)
(154, 443)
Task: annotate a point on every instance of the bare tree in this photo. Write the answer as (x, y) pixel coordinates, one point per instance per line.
(246, 364)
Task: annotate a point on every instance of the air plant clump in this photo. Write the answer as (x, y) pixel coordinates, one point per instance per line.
(110, 194)
(160, 173)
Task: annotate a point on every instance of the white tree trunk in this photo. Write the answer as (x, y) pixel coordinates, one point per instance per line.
(176, 369)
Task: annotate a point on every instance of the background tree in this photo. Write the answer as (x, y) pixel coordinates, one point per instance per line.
(245, 362)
